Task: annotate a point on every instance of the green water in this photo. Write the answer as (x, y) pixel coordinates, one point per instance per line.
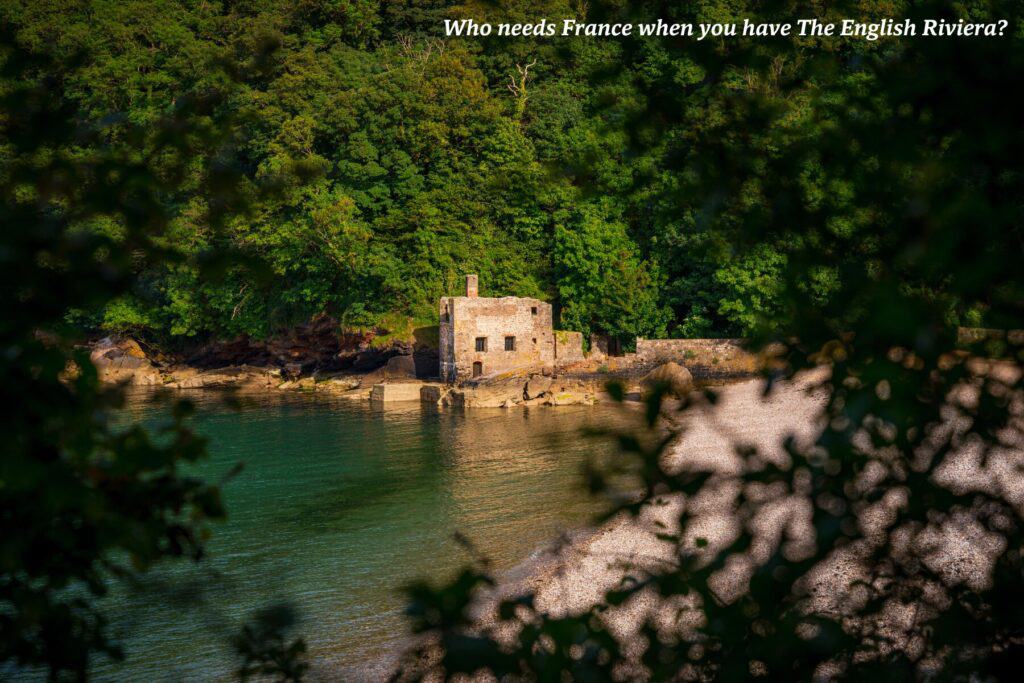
(338, 506)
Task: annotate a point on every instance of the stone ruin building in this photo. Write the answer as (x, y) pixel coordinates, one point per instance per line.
(485, 336)
(488, 336)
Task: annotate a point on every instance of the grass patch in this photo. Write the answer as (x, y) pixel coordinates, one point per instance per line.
(395, 327)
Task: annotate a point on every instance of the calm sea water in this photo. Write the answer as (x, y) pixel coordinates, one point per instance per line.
(339, 505)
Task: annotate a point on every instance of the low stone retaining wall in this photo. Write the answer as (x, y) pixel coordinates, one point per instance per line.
(386, 393)
(701, 356)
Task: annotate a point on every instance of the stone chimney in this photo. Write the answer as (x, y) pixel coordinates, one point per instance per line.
(471, 286)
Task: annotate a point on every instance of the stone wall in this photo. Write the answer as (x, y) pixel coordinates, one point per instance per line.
(602, 346)
(464, 319)
(714, 356)
(598, 347)
(568, 347)
(446, 341)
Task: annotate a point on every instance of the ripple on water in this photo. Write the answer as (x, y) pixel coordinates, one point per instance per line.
(338, 506)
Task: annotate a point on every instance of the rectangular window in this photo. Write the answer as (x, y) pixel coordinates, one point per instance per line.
(533, 309)
(481, 343)
(510, 343)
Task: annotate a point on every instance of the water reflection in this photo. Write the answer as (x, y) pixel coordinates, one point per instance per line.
(338, 506)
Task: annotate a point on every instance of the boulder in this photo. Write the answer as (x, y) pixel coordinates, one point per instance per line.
(400, 367)
(122, 352)
(122, 361)
(537, 386)
(116, 362)
(675, 376)
(144, 375)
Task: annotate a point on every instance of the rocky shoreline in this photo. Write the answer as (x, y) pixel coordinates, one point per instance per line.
(397, 378)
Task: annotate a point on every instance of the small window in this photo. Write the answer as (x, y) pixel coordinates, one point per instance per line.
(534, 341)
(510, 343)
(533, 310)
(481, 343)
(478, 369)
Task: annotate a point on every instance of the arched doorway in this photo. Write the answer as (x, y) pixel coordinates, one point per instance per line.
(478, 368)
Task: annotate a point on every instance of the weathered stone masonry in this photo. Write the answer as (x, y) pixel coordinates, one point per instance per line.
(716, 356)
(485, 336)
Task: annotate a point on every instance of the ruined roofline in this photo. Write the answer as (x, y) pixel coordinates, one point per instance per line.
(472, 291)
(498, 298)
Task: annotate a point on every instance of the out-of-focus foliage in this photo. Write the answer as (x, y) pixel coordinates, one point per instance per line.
(83, 204)
(870, 195)
(266, 653)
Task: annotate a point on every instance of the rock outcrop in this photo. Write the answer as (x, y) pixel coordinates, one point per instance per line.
(508, 392)
(317, 347)
(126, 361)
(494, 394)
(239, 377)
(677, 378)
(122, 361)
(537, 386)
(338, 384)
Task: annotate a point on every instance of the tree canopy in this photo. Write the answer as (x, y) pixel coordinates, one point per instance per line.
(401, 160)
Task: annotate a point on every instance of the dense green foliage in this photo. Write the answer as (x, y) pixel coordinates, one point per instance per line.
(402, 160)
